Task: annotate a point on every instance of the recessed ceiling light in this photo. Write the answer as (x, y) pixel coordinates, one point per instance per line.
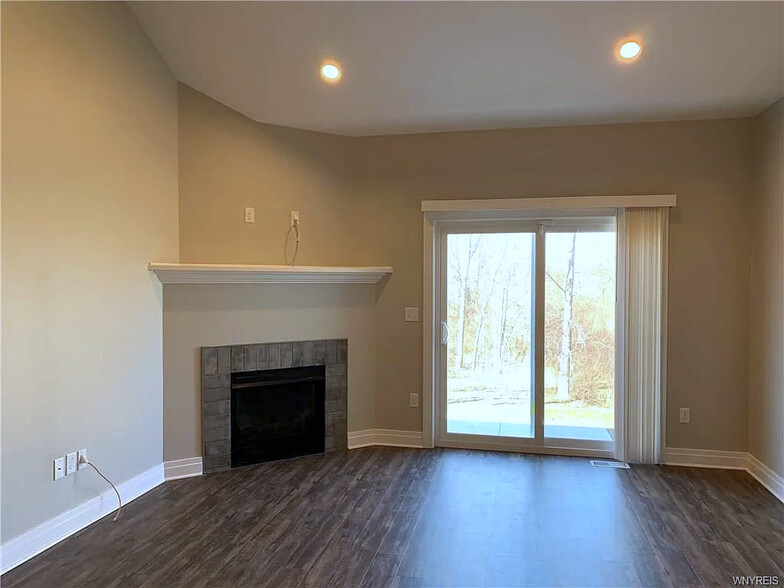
(330, 71)
(629, 50)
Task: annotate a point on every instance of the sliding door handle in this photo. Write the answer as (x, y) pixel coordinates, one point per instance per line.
(444, 333)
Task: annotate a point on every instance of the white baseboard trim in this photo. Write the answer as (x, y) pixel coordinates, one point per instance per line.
(182, 468)
(388, 437)
(706, 458)
(767, 477)
(19, 549)
(728, 460)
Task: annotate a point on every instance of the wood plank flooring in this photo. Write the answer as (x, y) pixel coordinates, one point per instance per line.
(397, 517)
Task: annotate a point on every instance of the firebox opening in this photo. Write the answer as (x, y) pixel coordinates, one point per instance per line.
(277, 414)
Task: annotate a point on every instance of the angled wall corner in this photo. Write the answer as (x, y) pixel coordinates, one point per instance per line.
(766, 292)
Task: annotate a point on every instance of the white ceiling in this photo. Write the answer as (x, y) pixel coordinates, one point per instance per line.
(424, 66)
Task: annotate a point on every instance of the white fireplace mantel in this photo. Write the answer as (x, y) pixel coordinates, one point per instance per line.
(204, 273)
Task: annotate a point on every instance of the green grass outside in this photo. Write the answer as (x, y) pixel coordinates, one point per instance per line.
(577, 413)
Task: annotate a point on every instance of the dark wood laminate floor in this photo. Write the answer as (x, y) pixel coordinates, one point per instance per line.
(383, 517)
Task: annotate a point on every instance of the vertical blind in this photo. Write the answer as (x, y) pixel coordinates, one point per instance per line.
(644, 243)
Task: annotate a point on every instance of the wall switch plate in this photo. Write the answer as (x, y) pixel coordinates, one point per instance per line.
(411, 314)
(59, 468)
(70, 463)
(79, 454)
(250, 214)
(413, 400)
(685, 415)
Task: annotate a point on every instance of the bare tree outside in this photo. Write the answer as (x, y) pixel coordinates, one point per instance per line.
(580, 334)
(565, 358)
(460, 263)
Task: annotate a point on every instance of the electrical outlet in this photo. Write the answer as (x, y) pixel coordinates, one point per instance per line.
(70, 463)
(685, 414)
(79, 454)
(59, 467)
(413, 400)
(250, 214)
(294, 217)
(411, 314)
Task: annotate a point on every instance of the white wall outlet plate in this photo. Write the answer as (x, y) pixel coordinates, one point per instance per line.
(294, 217)
(250, 214)
(685, 415)
(413, 400)
(79, 454)
(59, 468)
(70, 463)
(411, 314)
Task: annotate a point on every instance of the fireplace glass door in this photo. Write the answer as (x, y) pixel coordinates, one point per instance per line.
(276, 414)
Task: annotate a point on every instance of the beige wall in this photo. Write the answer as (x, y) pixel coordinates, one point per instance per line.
(89, 181)
(766, 358)
(228, 162)
(706, 163)
(197, 316)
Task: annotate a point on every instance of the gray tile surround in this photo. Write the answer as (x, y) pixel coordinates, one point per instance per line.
(218, 363)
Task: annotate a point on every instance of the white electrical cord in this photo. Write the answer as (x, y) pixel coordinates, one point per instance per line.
(84, 460)
(294, 227)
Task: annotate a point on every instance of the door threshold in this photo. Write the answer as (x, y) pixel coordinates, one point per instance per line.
(534, 449)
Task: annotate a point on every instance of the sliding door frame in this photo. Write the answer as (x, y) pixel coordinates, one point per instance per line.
(439, 212)
(538, 225)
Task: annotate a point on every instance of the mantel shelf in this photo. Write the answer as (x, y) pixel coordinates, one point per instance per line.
(204, 273)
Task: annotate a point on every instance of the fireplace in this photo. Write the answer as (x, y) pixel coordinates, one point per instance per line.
(246, 377)
(276, 414)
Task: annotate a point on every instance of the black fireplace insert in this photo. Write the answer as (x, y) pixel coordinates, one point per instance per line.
(277, 414)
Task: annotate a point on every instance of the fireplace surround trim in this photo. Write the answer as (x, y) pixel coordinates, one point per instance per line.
(219, 362)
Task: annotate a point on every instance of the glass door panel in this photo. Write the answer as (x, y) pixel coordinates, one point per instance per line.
(489, 333)
(579, 357)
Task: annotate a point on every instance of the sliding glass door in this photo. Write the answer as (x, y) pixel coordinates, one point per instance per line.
(579, 335)
(489, 334)
(527, 314)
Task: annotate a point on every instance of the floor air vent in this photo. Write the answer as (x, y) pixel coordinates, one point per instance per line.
(601, 463)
